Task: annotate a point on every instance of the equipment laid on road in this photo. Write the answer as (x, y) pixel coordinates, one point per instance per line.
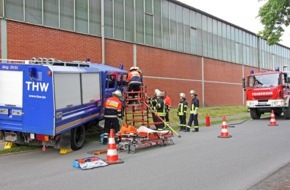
(267, 91)
(53, 103)
(224, 130)
(273, 119)
(145, 137)
(89, 163)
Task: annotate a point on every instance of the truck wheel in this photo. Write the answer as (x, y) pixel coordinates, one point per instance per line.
(287, 113)
(255, 114)
(278, 112)
(78, 136)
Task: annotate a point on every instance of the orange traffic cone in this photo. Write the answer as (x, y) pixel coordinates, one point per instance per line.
(224, 131)
(112, 153)
(273, 120)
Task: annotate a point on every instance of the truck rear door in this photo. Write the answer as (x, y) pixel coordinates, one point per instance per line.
(11, 101)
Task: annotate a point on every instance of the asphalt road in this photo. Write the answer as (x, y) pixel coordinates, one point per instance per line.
(199, 161)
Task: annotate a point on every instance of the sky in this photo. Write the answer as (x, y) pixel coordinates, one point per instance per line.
(242, 13)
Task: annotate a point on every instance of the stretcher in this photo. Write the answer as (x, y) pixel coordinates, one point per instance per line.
(143, 137)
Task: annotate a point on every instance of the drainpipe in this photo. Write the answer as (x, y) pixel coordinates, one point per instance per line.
(103, 30)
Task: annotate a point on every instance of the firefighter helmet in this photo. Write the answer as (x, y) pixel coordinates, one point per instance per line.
(192, 92)
(117, 93)
(156, 91)
(134, 68)
(182, 95)
(159, 93)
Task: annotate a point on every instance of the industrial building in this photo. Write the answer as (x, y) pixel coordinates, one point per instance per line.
(178, 47)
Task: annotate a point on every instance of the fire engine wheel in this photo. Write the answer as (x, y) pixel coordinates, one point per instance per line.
(278, 112)
(78, 136)
(287, 113)
(255, 114)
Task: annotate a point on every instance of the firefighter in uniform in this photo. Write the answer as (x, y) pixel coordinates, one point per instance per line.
(181, 112)
(112, 114)
(159, 106)
(193, 111)
(167, 101)
(134, 80)
(153, 102)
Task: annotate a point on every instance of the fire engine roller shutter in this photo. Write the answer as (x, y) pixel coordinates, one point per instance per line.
(11, 88)
(91, 89)
(67, 90)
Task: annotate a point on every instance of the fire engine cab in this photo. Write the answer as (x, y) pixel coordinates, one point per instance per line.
(267, 91)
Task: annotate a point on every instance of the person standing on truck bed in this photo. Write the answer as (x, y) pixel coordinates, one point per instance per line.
(113, 112)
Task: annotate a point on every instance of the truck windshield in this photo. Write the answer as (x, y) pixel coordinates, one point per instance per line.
(265, 80)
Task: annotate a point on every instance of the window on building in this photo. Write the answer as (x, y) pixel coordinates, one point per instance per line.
(186, 24)
(148, 22)
(157, 23)
(33, 11)
(148, 29)
(109, 29)
(95, 17)
(67, 14)
(210, 37)
(14, 10)
(129, 20)
(119, 19)
(140, 21)
(204, 36)
(165, 24)
(173, 26)
(50, 13)
(81, 17)
(180, 31)
(1, 8)
(224, 41)
(215, 39)
(199, 33)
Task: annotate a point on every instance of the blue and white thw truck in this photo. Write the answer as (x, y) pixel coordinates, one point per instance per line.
(52, 103)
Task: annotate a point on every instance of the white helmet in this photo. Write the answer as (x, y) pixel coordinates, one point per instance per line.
(134, 68)
(182, 95)
(192, 92)
(159, 93)
(156, 91)
(117, 93)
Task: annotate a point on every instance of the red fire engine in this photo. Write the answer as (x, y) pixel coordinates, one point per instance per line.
(267, 91)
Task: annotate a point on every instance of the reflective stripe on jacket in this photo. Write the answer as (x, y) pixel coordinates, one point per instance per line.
(134, 76)
(194, 105)
(160, 107)
(113, 107)
(182, 107)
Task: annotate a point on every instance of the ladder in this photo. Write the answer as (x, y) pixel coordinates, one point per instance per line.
(136, 110)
